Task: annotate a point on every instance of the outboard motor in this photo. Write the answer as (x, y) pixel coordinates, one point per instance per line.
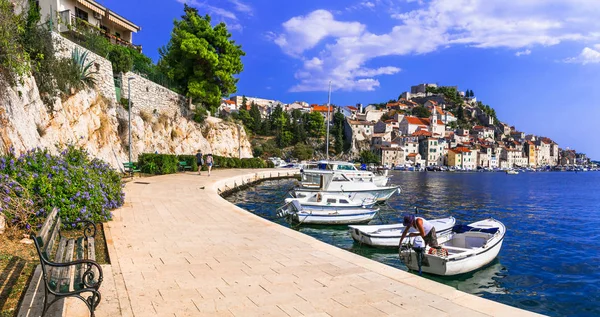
(419, 248)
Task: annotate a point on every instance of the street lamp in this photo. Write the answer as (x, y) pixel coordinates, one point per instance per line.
(129, 109)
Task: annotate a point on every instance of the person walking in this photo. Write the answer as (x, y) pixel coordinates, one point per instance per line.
(209, 163)
(199, 161)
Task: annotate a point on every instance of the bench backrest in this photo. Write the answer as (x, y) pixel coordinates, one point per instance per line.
(48, 235)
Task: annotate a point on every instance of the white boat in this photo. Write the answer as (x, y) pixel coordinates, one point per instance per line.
(349, 170)
(512, 172)
(328, 200)
(301, 214)
(389, 235)
(469, 248)
(339, 183)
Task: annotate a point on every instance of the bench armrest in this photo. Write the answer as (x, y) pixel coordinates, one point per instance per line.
(88, 275)
(89, 229)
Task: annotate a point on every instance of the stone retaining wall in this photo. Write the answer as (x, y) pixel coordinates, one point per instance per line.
(105, 83)
(153, 98)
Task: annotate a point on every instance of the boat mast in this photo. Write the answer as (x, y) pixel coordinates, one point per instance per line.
(327, 121)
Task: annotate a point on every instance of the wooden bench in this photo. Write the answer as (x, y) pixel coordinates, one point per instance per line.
(130, 168)
(183, 166)
(69, 266)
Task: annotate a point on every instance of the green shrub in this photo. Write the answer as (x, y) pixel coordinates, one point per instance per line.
(79, 186)
(190, 160)
(158, 164)
(199, 114)
(121, 59)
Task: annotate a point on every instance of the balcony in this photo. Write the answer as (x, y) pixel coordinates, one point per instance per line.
(78, 29)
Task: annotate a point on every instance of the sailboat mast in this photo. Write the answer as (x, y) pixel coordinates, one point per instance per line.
(327, 121)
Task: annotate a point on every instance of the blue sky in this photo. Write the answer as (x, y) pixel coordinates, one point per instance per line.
(537, 62)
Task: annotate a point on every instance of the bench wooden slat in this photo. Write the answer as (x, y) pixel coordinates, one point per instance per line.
(91, 255)
(45, 230)
(91, 249)
(54, 272)
(65, 272)
(79, 255)
(50, 245)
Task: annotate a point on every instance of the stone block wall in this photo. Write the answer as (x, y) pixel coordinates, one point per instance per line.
(153, 98)
(104, 77)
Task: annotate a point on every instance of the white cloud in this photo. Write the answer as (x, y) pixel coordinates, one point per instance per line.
(222, 14)
(587, 56)
(304, 32)
(347, 47)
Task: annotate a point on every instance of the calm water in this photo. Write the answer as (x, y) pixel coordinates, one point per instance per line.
(550, 259)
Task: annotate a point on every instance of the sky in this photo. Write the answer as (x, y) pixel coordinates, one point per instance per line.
(536, 62)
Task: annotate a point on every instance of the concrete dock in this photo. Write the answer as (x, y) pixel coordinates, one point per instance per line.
(178, 249)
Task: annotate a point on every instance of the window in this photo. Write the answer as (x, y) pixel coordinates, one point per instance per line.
(104, 28)
(118, 35)
(343, 201)
(80, 14)
(330, 201)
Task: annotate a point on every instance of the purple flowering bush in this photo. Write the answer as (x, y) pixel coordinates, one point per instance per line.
(80, 187)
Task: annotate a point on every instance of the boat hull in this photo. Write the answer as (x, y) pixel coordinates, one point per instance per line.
(332, 219)
(380, 195)
(388, 236)
(440, 266)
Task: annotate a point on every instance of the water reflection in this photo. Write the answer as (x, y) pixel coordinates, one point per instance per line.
(549, 260)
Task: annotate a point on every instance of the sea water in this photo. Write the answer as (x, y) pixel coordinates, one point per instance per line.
(550, 258)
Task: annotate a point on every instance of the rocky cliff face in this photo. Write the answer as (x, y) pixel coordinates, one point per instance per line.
(101, 127)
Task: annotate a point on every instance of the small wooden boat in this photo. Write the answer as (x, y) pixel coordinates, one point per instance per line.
(465, 249)
(389, 235)
(296, 212)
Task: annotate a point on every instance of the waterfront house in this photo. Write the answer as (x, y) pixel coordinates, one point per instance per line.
(530, 153)
(359, 133)
(432, 151)
(75, 16)
(410, 124)
(392, 156)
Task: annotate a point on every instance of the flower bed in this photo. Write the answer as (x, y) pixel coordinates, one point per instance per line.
(79, 186)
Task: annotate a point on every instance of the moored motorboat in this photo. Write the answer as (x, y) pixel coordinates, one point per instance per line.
(298, 213)
(339, 183)
(326, 200)
(512, 172)
(465, 249)
(389, 235)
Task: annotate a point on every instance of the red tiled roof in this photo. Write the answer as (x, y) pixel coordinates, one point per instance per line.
(322, 108)
(420, 121)
(352, 108)
(229, 102)
(461, 150)
(421, 133)
(412, 155)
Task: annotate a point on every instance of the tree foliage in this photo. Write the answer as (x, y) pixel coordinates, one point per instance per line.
(421, 112)
(368, 157)
(201, 59)
(302, 152)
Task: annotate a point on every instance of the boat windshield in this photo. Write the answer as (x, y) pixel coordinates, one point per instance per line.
(345, 167)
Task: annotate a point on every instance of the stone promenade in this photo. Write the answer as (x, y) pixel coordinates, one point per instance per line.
(178, 249)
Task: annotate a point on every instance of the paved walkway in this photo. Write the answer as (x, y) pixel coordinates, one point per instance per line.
(179, 249)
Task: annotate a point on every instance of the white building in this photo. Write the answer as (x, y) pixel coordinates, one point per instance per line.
(73, 15)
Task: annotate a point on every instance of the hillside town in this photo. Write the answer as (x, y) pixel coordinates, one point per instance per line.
(434, 136)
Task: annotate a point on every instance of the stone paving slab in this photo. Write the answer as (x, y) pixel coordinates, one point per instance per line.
(179, 250)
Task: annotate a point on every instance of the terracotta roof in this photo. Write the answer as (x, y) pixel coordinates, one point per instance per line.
(358, 122)
(421, 133)
(461, 150)
(478, 127)
(420, 121)
(352, 108)
(412, 155)
(322, 108)
(229, 102)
